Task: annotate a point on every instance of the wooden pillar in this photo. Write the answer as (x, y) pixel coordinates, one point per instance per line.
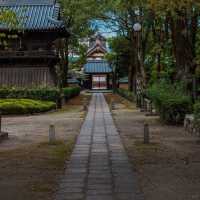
(108, 81)
(91, 78)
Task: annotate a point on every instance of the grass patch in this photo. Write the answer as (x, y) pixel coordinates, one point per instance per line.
(38, 167)
(143, 148)
(58, 151)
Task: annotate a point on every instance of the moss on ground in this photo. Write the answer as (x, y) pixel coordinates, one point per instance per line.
(39, 166)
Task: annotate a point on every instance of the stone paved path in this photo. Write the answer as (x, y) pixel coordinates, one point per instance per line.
(99, 168)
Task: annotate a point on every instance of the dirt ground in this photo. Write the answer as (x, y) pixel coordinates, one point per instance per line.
(29, 167)
(168, 168)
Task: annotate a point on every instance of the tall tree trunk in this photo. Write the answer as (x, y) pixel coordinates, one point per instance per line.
(141, 57)
(133, 65)
(130, 77)
(66, 63)
(183, 51)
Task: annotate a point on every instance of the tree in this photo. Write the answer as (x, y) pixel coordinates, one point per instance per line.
(9, 19)
(119, 56)
(182, 23)
(78, 16)
(168, 37)
(121, 17)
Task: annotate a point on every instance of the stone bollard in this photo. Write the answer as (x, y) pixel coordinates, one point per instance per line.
(146, 134)
(3, 135)
(85, 107)
(52, 134)
(0, 122)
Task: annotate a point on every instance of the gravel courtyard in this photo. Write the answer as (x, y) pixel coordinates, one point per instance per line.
(30, 168)
(32, 129)
(169, 166)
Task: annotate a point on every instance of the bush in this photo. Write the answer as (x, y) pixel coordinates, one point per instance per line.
(197, 110)
(25, 106)
(45, 94)
(126, 94)
(170, 102)
(71, 92)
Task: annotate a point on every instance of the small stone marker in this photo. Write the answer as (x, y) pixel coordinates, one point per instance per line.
(85, 108)
(52, 134)
(3, 135)
(0, 121)
(146, 134)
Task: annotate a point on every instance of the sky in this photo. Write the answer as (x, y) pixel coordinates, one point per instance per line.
(103, 29)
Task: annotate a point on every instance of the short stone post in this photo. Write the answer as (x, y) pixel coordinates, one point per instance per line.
(0, 122)
(52, 134)
(85, 107)
(3, 135)
(146, 134)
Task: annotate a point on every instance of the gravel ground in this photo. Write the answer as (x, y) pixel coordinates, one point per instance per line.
(30, 168)
(169, 166)
(26, 130)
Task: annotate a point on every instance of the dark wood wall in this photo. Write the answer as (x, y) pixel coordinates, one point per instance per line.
(32, 69)
(26, 76)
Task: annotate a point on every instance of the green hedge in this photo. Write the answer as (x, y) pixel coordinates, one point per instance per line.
(170, 102)
(45, 94)
(25, 106)
(126, 94)
(71, 92)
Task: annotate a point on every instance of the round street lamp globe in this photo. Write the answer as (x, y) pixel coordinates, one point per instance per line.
(137, 27)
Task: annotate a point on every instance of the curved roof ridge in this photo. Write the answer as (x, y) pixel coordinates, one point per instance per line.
(35, 16)
(26, 2)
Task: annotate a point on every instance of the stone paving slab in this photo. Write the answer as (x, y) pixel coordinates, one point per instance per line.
(99, 168)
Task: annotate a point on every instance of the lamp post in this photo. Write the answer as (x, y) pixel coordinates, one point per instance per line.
(137, 27)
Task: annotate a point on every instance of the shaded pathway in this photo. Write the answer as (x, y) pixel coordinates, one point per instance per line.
(99, 168)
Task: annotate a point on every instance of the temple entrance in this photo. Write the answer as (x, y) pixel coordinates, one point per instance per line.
(99, 82)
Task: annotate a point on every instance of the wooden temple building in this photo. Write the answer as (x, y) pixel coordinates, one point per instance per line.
(30, 59)
(97, 69)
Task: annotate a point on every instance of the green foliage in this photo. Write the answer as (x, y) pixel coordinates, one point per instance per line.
(197, 110)
(170, 101)
(126, 94)
(78, 17)
(8, 18)
(46, 94)
(77, 63)
(120, 55)
(25, 106)
(71, 92)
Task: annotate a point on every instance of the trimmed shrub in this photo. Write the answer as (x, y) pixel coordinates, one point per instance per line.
(170, 102)
(197, 110)
(126, 94)
(25, 106)
(45, 94)
(71, 92)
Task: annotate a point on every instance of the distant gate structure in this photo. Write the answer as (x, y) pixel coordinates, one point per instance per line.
(98, 70)
(30, 59)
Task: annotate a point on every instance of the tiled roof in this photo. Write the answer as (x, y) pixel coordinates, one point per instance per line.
(26, 2)
(34, 14)
(97, 67)
(97, 48)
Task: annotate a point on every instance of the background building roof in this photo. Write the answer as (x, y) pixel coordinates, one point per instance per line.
(26, 2)
(34, 14)
(97, 67)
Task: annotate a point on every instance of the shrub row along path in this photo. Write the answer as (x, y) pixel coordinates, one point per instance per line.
(99, 168)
